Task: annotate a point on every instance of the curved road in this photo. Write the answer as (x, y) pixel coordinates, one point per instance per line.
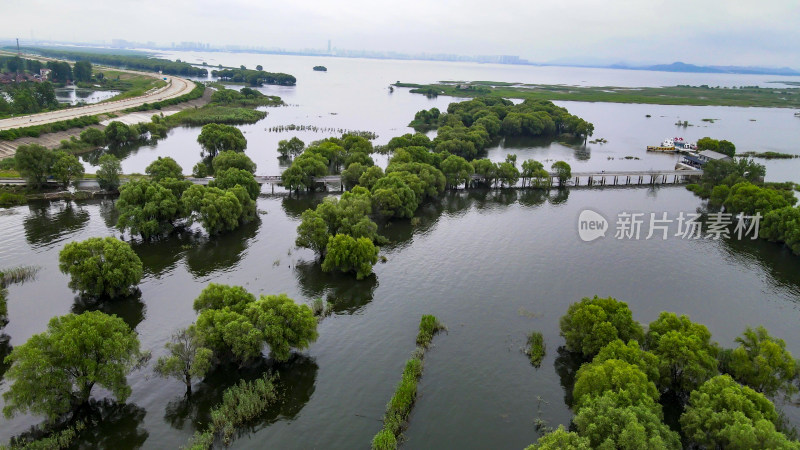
(175, 87)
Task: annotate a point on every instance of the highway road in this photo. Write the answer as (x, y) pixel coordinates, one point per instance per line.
(175, 87)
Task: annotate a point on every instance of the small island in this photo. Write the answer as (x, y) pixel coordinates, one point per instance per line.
(320, 68)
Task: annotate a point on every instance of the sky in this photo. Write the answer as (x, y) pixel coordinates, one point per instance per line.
(715, 32)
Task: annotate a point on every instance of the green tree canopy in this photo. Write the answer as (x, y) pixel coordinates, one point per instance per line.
(706, 143)
(146, 208)
(164, 168)
(82, 71)
(284, 324)
(748, 199)
(117, 133)
(187, 358)
(763, 363)
(456, 170)
(351, 175)
(783, 225)
(724, 414)
(631, 353)
(215, 209)
(626, 383)
(563, 172)
(312, 233)
(687, 356)
(94, 137)
(347, 254)
(561, 439)
(215, 138)
(507, 174)
(370, 177)
(54, 372)
(726, 148)
(67, 168)
(233, 160)
(301, 174)
(220, 296)
(592, 323)
(34, 162)
(233, 324)
(392, 197)
(291, 148)
(101, 266)
(229, 178)
(433, 180)
(108, 173)
(609, 426)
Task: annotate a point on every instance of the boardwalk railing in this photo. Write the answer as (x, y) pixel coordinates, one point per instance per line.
(616, 178)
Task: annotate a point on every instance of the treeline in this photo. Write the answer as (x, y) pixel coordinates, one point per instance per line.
(738, 187)
(139, 62)
(342, 232)
(467, 128)
(629, 377)
(28, 98)
(254, 77)
(15, 64)
(60, 72)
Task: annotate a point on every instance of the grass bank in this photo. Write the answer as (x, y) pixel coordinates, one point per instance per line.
(129, 84)
(671, 95)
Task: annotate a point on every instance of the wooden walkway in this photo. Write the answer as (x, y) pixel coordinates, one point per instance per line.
(616, 178)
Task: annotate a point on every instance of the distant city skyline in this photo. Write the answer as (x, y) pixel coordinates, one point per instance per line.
(706, 32)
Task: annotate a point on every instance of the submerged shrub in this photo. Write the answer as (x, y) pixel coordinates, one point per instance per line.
(535, 348)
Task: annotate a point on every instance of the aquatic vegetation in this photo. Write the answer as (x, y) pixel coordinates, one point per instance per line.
(240, 404)
(535, 348)
(401, 403)
(428, 326)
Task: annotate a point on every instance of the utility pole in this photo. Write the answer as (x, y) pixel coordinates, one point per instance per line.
(19, 56)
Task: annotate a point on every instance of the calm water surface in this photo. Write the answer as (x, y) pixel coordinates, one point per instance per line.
(73, 95)
(492, 265)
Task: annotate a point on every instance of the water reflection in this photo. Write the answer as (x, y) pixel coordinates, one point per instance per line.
(130, 308)
(109, 425)
(567, 364)
(294, 385)
(559, 196)
(5, 350)
(533, 197)
(339, 289)
(295, 205)
(159, 256)
(219, 253)
(776, 259)
(46, 221)
(109, 212)
(119, 151)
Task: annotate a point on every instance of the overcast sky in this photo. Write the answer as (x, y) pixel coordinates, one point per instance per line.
(722, 32)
